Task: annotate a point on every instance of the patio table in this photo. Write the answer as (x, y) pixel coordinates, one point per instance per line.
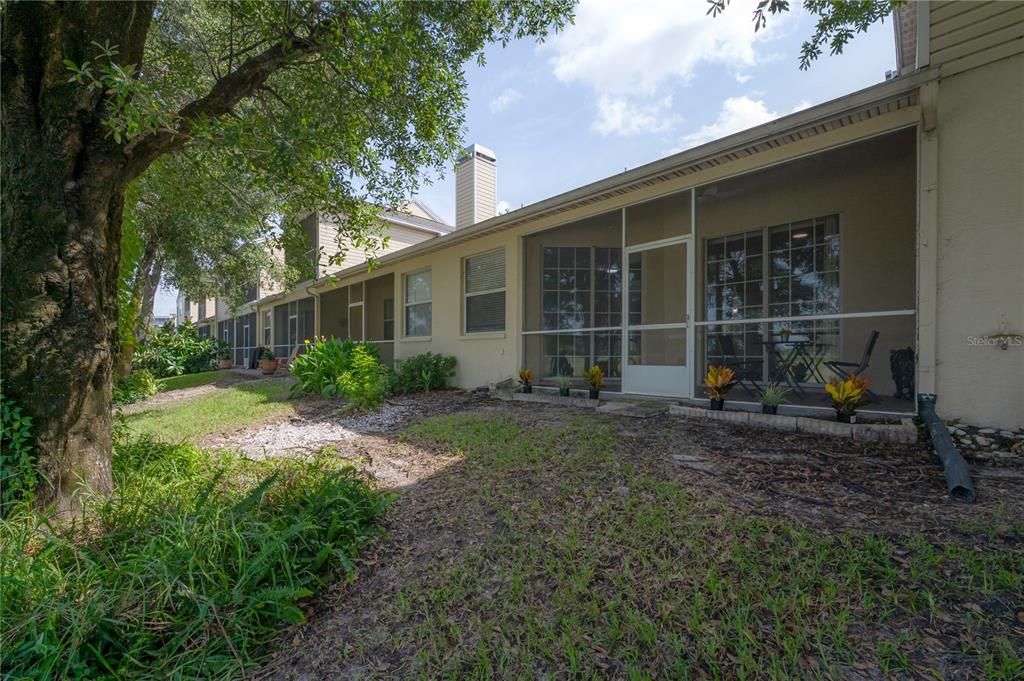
(803, 353)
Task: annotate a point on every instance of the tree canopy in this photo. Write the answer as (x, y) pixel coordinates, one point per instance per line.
(323, 106)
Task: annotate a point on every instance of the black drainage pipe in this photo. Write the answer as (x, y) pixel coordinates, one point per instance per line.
(958, 475)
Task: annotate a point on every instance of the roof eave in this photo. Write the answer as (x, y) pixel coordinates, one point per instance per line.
(775, 128)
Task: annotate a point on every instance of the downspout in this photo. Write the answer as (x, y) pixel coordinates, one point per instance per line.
(316, 308)
(958, 475)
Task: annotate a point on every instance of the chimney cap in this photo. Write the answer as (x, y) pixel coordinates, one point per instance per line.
(476, 151)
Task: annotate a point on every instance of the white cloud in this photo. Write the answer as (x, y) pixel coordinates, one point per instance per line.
(620, 48)
(503, 207)
(737, 113)
(507, 98)
(621, 116)
(742, 78)
(801, 105)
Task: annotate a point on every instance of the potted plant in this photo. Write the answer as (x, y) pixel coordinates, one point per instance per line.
(564, 384)
(718, 382)
(224, 359)
(595, 380)
(772, 395)
(847, 394)
(268, 362)
(526, 380)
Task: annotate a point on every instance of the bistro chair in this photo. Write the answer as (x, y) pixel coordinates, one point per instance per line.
(844, 369)
(746, 369)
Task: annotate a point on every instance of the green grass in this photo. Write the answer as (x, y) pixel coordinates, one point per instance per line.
(188, 380)
(229, 407)
(584, 565)
(190, 571)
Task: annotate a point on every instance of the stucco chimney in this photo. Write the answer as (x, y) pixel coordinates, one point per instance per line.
(476, 189)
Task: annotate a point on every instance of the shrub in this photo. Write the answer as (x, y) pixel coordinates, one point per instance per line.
(364, 384)
(188, 571)
(176, 351)
(331, 367)
(17, 459)
(424, 372)
(135, 387)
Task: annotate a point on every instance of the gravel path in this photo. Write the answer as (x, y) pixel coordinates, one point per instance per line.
(300, 434)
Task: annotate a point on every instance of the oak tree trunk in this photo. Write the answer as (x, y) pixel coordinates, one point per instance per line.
(63, 181)
(150, 271)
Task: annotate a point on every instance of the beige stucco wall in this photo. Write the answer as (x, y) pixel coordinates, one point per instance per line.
(981, 243)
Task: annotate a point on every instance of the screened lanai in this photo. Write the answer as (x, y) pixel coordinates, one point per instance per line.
(362, 311)
(785, 271)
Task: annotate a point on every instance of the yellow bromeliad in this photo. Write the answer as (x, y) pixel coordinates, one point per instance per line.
(847, 393)
(719, 381)
(526, 377)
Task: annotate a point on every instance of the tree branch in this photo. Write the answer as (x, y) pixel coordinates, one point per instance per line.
(244, 81)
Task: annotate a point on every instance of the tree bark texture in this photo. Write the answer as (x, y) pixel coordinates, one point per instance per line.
(146, 283)
(63, 194)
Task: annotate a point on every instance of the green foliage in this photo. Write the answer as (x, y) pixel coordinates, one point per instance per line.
(334, 118)
(774, 394)
(176, 351)
(135, 387)
(836, 21)
(17, 458)
(364, 384)
(330, 367)
(189, 571)
(422, 373)
(127, 300)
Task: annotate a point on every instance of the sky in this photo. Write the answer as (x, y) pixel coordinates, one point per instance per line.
(633, 81)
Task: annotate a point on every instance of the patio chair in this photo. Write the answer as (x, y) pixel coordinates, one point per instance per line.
(844, 369)
(745, 368)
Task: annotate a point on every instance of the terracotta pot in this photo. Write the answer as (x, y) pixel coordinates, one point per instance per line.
(717, 405)
(268, 366)
(226, 363)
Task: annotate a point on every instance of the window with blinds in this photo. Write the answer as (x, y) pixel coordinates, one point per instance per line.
(418, 308)
(484, 292)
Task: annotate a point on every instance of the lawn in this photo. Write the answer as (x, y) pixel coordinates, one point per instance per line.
(188, 380)
(550, 550)
(226, 408)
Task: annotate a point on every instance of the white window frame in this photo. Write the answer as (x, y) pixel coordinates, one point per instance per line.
(406, 304)
(466, 296)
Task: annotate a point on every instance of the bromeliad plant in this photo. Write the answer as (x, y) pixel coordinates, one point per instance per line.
(847, 394)
(719, 381)
(773, 395)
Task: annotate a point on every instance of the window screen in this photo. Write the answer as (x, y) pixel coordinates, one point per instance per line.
(485, 292)
(418, 309)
